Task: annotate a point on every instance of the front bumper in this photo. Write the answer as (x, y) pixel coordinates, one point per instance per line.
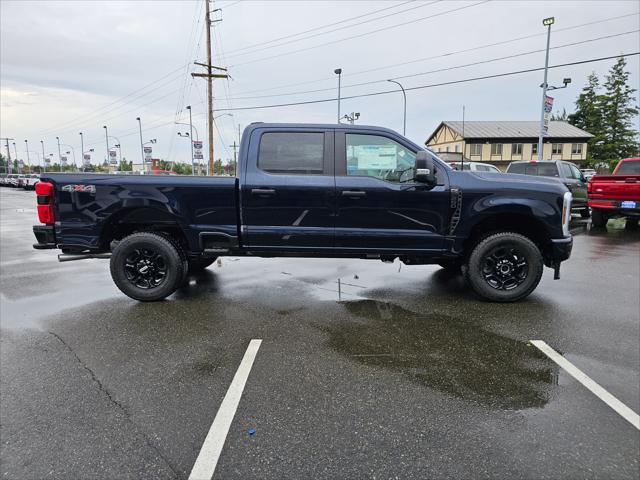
(560, 250)
(46, 237)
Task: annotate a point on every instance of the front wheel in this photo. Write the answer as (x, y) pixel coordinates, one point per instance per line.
(504, 267)
(147, 266)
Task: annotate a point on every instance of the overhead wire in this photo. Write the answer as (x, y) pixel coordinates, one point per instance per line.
(360, 35)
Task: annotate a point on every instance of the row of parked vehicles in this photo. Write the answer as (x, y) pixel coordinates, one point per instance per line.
(26, 181)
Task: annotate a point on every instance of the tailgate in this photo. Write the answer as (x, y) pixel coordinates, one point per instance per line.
(615, 187)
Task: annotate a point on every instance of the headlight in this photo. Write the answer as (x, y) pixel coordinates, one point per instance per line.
(566, 213)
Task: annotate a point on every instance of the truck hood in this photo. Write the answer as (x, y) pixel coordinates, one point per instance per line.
(518, 181)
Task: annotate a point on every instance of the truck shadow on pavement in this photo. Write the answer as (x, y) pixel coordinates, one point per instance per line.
(451, 355)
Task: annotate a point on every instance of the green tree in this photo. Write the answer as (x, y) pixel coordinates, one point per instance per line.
(560, 117)
(589, 117)
(620, 138)
(126, 166)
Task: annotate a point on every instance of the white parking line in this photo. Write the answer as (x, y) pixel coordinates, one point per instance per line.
(624, 411)
(210, 452)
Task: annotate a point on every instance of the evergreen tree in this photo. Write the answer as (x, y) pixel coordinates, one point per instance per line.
(620, 138)
(560, 117)
(589, 117)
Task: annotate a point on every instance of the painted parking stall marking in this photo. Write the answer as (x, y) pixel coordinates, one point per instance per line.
(207, 460)
(624, 411)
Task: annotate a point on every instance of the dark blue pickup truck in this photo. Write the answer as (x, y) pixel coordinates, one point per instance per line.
(306, 190)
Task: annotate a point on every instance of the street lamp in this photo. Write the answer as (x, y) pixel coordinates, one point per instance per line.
(547, 22)
(43, 155)
(26, 146)
(59, 154)
(81, 149)
(193, 165)
(141, 146)
(106, 138)
(404, 94)
(352, 118)
(338, 71)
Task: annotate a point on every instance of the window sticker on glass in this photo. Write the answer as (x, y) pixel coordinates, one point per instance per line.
(375, 157)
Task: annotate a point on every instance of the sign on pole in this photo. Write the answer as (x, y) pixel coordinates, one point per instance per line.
(86, 159)
(63, 161)
(112, 157)
(147, 154)
(548, 107)
(197, 150)
(20, 164)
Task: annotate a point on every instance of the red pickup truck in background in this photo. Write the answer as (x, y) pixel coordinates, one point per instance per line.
(616, 195)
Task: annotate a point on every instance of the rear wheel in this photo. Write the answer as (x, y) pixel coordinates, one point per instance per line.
(147, 266)
(504, 267)
(598, 218)
(199, 264)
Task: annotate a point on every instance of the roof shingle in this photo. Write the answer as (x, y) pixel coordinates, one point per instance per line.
(517, 129)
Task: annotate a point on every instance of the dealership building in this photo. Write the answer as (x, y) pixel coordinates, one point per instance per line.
(500, 143)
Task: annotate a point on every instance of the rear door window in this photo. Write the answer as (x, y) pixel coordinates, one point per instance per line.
(547, 170)
(566, 170)
(292, 153)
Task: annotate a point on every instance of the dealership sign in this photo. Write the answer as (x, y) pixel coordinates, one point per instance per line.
(63, 161)
(147, 154)
(112, 157)
(548, 106)
(197, 150)
(86, 159)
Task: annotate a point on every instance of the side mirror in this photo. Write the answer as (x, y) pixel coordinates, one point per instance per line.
(425, 171)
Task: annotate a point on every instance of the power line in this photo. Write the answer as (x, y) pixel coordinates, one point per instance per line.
(505, 74)
(319, 27)
(264, 47)
(466, 50)
(371, 32)
(480, 62)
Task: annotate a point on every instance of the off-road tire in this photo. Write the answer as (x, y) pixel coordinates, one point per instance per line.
(585, 213)
(598, 218)
(159, 249)
(481, 256)
(199, 264)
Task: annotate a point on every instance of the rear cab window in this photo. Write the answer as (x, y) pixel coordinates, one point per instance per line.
(631, 167)
(292, 153)
(535, 169)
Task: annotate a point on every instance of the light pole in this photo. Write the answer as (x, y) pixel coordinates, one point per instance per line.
(81, 149)
(338, 71)
(15, 149)
(193, 165)
(26, 146)
(43, 155)
(547, 22)
(141, 146)
(59, 154)
(106, 139)
(404, 94)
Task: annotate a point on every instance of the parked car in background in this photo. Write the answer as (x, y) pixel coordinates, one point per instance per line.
(566, 172)
(12, 180)
(30, 181)
(21, 179)
(616, 195)
(474, 167)
(588, 172)
(3, 179)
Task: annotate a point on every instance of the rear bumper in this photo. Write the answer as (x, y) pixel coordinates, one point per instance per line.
(560, 250)
(45, 236)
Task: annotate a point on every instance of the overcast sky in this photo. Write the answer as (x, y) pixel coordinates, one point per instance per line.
(74, 66)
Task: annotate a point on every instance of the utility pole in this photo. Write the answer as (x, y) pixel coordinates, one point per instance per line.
(210, 76)
(59, 154)
(9, 166)
(464, 142)
(235, 156)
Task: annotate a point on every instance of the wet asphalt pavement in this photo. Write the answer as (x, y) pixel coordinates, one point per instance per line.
(399, 372)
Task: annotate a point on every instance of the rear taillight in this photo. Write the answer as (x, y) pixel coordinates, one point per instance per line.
(44, 192)
(589, 187)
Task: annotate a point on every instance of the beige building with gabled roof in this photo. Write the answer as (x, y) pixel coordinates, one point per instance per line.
(500, 143)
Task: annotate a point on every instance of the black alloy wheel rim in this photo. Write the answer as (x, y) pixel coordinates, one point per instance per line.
(145, 268)
(505, 267)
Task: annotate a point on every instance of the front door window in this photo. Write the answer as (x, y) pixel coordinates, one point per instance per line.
(379, 157)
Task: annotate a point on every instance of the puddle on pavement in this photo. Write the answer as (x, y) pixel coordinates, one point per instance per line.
(453, 356)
